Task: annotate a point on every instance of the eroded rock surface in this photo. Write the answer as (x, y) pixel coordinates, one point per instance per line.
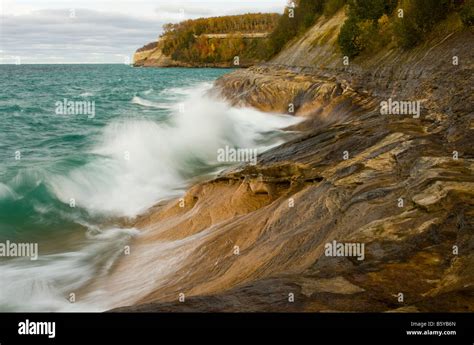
(254, 238)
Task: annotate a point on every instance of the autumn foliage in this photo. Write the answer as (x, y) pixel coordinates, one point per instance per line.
(193, 40)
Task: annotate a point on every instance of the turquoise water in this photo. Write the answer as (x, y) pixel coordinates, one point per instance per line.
(68, 181)
(51, 144)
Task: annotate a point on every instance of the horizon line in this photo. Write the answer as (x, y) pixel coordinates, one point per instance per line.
(66, 63)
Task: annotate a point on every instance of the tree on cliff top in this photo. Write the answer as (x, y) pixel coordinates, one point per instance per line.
(185, 41)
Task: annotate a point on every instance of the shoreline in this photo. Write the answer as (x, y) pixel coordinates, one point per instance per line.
(196, 66)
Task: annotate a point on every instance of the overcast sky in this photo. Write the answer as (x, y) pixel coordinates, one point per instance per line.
(100, 31)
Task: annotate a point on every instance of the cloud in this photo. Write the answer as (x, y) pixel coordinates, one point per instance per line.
(100, 30)
(80, 33)
(182, 9)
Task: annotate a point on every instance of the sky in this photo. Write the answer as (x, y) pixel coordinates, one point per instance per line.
(100, 31)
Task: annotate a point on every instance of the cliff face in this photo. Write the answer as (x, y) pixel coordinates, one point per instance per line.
(401, 185)
(151, 55)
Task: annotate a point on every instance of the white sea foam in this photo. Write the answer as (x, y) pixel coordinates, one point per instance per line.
(6, 192)
(46, 284)
(158, 261)
(141, 162)
(147, 103)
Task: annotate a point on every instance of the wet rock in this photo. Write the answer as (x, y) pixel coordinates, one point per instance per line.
(256, 234)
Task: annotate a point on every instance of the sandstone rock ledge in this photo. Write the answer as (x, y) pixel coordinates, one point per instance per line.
(401, 192)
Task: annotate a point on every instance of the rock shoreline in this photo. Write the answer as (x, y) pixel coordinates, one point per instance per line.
(393, 183)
